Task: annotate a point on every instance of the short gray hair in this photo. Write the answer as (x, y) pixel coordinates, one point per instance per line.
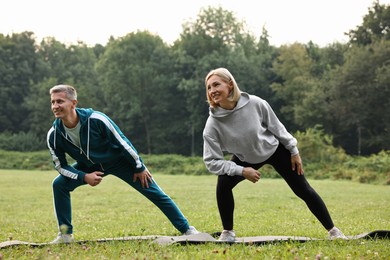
(70, 91)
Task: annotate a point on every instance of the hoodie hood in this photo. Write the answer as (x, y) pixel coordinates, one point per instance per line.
(84, 115)
(220, 112)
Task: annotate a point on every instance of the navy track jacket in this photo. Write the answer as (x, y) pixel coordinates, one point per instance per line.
(103, 145)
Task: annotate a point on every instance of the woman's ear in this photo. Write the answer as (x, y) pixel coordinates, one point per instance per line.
(230, 87)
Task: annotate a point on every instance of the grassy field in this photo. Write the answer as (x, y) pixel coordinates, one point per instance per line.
(114, 209)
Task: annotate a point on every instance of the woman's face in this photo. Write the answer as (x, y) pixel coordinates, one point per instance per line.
(219, 91)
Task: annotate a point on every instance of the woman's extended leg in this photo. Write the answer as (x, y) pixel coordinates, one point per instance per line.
(281, 161)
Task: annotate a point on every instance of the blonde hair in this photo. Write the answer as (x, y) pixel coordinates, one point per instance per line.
(227, 77)
(70, 91)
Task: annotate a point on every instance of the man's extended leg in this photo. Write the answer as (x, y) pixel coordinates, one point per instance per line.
(156, 195)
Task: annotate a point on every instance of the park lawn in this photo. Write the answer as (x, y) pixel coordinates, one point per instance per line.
(114, 209)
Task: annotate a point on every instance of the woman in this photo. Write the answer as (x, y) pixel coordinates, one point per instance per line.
(245, 126)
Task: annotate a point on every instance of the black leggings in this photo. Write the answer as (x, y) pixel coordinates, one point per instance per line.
(281, 161)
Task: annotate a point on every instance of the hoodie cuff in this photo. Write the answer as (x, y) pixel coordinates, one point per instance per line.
(294, 151)
(81, 176)
(138, 170)
(239, 170)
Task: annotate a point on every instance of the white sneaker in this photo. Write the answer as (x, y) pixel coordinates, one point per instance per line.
(335, 233)
(63, 238)
(227, 236)
(191, 231)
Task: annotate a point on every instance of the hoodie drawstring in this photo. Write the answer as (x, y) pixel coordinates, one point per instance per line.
(88, 138)
(55, 137)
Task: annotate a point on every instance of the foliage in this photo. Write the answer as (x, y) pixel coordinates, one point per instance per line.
(294, 66)
(156, 93)
(358, 88)
(22, 142)
(320, 159)
(25, 161)
(373, 169)
(112, 209)
(175, 164)
(20, 68)
(375, 27)
(134, 72)
(317, 147)
(219, 26)
(215, 39)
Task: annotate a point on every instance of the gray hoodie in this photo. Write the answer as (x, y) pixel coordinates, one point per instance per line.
(251, 131)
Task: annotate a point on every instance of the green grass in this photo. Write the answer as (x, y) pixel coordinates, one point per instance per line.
(114, 209)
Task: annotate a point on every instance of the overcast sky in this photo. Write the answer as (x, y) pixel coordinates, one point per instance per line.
(94, 21)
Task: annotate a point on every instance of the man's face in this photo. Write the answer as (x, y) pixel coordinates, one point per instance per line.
(61, 105)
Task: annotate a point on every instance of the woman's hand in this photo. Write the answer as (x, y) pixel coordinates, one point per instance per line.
(296, 163)
(251, 174)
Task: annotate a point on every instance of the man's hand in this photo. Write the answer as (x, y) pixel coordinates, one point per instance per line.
(144, 177)
(251, 174)
(93, 178)
(296, 163)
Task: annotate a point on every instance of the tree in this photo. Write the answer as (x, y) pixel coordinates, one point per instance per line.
(360, 97)
(375, 27)
(19, 68)
(313, 108)
(215, 39)
(73, 65)
(135, 74)
(294, 67)
(60, 64)
(38, 104)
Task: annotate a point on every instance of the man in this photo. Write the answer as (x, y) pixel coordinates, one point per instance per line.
(99, 148)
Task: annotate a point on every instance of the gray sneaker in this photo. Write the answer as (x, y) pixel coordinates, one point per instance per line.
(227, 236)
(191, 231)
(63, 238)
(335, 233)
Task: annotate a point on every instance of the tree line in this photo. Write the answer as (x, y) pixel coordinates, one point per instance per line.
(155, 92)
